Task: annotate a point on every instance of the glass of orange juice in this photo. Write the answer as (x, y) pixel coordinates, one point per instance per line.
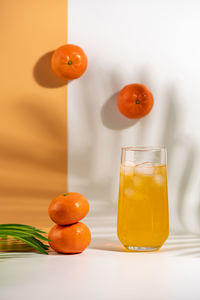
(143, 219)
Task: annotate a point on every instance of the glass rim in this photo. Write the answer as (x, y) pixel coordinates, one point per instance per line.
(135, 148)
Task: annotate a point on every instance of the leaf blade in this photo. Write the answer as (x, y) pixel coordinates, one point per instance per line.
(24, 232)
(22, 226)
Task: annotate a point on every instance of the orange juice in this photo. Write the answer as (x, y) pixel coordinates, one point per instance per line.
(143, 219)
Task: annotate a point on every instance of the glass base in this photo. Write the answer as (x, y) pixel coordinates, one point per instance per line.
(141, 249)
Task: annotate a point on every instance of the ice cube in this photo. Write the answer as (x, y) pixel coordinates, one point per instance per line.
(127, 167)
(129, 192)
(158, 179)
(137, 181)
(145, 169)
(128, 163)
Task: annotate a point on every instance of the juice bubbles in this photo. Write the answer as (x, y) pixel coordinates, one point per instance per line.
(143, 221)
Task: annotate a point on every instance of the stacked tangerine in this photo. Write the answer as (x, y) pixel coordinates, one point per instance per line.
(69, 235)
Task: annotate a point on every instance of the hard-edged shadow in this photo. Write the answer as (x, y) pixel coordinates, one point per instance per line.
(53, 253)
(107, 244)
(43, 74)
(112, 118)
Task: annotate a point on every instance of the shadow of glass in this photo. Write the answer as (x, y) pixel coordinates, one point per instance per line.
(43, 74)
(107, 244)
(112, 118)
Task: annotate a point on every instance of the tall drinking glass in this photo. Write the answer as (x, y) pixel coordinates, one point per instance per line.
(143, 219)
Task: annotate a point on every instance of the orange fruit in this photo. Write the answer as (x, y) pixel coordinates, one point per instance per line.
(69, 62)
(68, 208)
(73, 238)
(135, 101)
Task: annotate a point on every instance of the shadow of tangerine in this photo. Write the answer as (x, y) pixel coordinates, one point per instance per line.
(44, 75)
(111, 116)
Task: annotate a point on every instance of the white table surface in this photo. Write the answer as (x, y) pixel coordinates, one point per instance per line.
(105, 271)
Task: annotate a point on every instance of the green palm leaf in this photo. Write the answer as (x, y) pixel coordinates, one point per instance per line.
(21, 226)
(28, 234)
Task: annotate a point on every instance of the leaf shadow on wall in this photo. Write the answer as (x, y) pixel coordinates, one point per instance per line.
(34, 155)
(198, 207)
(43, 74)
(83, 164)
(182, 157)
(90, 161)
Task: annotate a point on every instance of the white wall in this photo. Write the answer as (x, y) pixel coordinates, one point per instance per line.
(156, 43)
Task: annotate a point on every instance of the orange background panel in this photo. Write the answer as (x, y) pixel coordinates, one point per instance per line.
(33, 143)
